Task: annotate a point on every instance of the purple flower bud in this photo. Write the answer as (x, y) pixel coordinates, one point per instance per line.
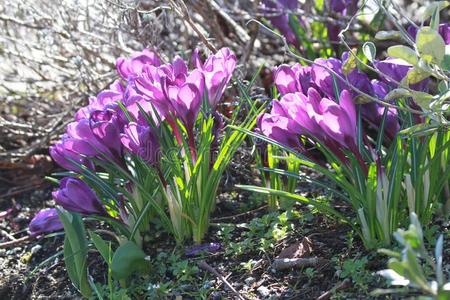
(106, 128)
(153, 80)
(186, 98)
(277, 12)
(217, 70)
(339, 120)
(396, 69)
(106, 99)
(98, 136)
(303, 110)
(208, 247)
(324, 79)
(64, 155)
(133, 66)
(45, 221)
(141, 141)
(280, 129)
(293, 79)
(75, 195)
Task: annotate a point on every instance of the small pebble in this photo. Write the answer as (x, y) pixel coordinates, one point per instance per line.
(249, 280)
(36, 249)
(263, 291)
(216, 295)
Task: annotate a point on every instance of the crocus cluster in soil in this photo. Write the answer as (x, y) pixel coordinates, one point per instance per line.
(103, 132)
(323, 106)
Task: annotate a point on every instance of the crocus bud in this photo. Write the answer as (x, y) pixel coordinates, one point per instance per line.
(339, 120)
(323, 79)
(208, 247)
(286, 80)
(217, 71)
(106, 128)
(75, 195)
(395, 69)
(66, 157)
(133, 66)
(186, 98)
(281, 129)
(45, 221)
(277, 12)
(141, 141)
(106, 99)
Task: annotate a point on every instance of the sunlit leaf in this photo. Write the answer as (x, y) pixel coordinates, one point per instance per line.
(403, 52)
(430, 44)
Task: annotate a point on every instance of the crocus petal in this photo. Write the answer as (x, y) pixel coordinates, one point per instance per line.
(45, 221)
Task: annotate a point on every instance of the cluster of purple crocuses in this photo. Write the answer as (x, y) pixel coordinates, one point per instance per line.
(103, 131)
(320, 102)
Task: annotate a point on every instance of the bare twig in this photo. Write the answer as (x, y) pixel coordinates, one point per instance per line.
(205, 266)
(288, 263)
(16, 242)
(340, 286)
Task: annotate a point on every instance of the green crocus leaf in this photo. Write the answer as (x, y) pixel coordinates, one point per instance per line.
(403, 52)
(419, 130)
(431, 45)
(102, 246)
(127, 259)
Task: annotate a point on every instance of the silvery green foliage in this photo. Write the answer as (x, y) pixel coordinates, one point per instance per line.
(428, 53)
(408, 267)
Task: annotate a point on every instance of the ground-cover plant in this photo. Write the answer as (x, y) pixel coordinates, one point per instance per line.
(412, 266)
(148, 151)
(383, 159)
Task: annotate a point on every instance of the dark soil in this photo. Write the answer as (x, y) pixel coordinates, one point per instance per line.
(50, 280)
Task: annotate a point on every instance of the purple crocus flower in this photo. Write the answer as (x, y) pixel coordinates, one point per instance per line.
(65, 156)
(303, 110)
(341, 7)
(75, 195)
(373, 112)
(277, 12)
(98, 136)
(217, 70)
(106, 127)
(131, 67)
(324, 79)
(153, 83)
(141, 141)
(208, 247)
(293, 79)
(45, 221)
(106, 99)
(396, 69)
(186, 98)
(339, 120)
(280, 129)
